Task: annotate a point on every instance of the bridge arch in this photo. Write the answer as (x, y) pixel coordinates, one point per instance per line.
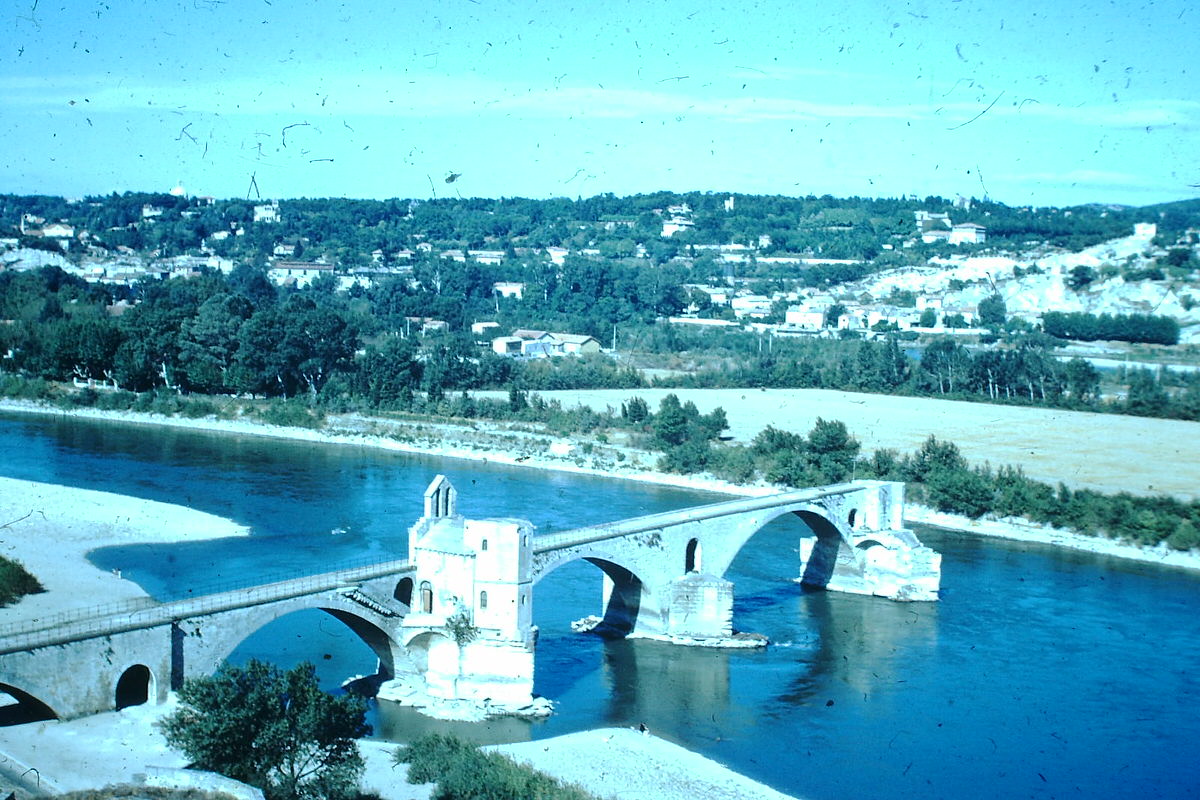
(829, 526)
(135, 687)
(627, 598)
(26, 707)
(210, 641)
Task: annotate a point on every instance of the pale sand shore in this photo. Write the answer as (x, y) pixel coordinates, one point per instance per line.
(113, 748)
(50, 529)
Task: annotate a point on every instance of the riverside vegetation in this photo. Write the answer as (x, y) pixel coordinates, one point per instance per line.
(461, 771)
(687, 442)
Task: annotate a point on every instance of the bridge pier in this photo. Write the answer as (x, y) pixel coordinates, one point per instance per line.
(860, 546)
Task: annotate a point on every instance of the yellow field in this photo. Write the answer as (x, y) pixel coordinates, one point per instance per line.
(1106, 452)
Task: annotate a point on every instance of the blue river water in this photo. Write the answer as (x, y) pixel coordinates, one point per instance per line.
(1040, 672)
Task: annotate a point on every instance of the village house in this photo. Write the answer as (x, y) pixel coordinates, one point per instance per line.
(491, 257)
(674, 225)
(60, 232)
(298, 273)
(717, 295)
(480, 329)
(806, 318)
(755, 306)
(937, 227)
(509, 289)
(267, 212)
(968, 233)
(544, 344)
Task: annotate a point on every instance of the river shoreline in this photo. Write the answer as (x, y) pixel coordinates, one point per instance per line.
(441, 443)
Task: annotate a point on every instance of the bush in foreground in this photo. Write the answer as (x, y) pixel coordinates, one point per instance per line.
(463, 772)
(16, 582)
(272, 729)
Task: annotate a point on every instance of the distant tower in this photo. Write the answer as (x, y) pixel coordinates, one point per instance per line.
(729, 204)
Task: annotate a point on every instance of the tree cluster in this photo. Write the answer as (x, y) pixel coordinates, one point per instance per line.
(1138, 328)
(1022, 373)
(16, 582)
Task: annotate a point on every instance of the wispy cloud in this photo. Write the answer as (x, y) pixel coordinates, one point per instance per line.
(1092, 179)
(456, 96)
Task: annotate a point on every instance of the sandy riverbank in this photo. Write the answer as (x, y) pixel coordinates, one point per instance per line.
(51, 529)
(113, 748)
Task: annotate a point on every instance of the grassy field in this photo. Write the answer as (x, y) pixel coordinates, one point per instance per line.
(1106, 452)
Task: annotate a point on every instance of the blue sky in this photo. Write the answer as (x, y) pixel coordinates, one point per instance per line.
(1050, 103)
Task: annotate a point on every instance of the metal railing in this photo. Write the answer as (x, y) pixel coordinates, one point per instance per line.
(667, 519)
(86, 623)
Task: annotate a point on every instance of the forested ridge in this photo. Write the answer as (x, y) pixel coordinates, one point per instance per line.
(348, 231)
(241, 334)
(217, 335)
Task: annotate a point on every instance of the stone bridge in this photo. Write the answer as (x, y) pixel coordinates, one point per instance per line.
(452, 625)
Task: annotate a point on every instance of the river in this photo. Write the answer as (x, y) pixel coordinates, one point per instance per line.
(1040, 673)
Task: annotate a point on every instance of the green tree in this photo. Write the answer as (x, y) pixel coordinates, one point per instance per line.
(992, 311)
(928, 318)
(272, 729)
(16, 582)
(1083, 380)
(831, 451)
(833, 313)
(1081, 277)
(934, 455)
(670, 423)
(636, 410)
(960, 491)
(1185, 537)
(208, 341)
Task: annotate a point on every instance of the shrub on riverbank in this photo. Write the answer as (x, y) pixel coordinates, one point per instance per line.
(16, 582)
(938, 475)
(463, 772)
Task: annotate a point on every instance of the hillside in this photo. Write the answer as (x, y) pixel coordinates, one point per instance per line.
(1039, 280)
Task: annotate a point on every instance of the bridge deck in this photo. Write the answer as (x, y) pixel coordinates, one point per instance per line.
(666, 519)
(87, 623)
